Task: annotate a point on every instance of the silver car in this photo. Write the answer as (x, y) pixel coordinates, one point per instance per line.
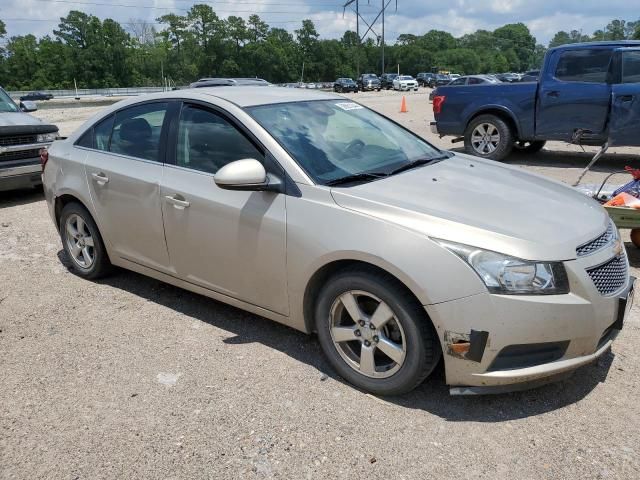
(314, 211)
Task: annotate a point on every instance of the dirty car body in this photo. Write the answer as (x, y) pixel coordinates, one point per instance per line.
(394, 252)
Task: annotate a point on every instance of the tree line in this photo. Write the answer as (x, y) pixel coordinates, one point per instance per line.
(104, 53)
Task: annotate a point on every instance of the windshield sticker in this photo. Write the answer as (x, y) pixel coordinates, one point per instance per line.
(349, 106)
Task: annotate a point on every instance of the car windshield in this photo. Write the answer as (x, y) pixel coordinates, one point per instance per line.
(6, 104)
(333, 139)
(405, 77)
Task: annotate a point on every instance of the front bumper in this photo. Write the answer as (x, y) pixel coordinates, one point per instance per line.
(575, 329)
(26, 174)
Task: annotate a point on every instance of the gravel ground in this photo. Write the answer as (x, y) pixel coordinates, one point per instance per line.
(132, 378)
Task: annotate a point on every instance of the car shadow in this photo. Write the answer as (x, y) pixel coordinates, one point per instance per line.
(14, 198)
(432, 396)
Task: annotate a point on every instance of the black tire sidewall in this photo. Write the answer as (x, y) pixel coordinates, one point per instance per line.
(101, 264)
(422, 344)
(506, 137)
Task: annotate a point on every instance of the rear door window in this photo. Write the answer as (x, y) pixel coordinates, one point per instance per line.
(590, 66)
(137, 131)
(631, 67)
(102, 134)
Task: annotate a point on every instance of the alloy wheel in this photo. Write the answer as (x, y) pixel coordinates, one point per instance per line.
(80, 242)
(485, 138)
(367, 334)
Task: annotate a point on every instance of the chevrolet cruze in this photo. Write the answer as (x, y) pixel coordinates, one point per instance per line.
(314, 211)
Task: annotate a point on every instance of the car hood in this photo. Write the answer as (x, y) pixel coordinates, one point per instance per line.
(482, 203)
(8, 119)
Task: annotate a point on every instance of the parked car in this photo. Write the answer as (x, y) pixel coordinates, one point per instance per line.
(475, 80)
(33, 96)
(584, 96)
(439, 79)
(386, 80)
(231, 180)
(22, 137)
(508, 77)
(530, 76)
(369, 81)
(345, 85)
(405, 82)
(424, 78)
(226, 82)
(454, 76)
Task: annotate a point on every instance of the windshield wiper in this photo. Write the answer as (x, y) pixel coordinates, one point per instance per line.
(356, 177)
(419, 162)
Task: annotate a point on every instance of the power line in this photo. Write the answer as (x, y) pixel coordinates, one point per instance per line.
(57, 20)
(154, 7)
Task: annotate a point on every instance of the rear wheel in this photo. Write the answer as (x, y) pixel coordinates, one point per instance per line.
(83, 243)
(374, 333)
(529, 147)
(488, 136)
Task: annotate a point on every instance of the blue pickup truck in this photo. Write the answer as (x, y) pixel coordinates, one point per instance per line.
(587, 93)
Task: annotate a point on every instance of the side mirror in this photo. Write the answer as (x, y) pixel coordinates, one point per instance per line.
(247, 174)
(28, 106)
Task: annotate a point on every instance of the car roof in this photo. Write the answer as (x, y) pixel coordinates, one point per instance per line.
(608, 43)
(249, 96)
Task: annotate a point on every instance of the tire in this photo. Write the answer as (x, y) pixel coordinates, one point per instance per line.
(99, 264)
(488, 136)
(409, 329)
(529, 147)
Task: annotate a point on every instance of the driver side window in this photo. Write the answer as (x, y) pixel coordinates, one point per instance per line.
(208, 142)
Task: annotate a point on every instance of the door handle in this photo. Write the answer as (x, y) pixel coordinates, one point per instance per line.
(553, 93)
(179, 203)
(101, 178)
(625, 98)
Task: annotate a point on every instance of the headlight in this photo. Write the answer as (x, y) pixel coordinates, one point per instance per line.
(46, 137)
(512, 276)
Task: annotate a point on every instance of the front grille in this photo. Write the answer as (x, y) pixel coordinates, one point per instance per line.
(17, 140)
(21, 155)
(610, 276)
(597, 243)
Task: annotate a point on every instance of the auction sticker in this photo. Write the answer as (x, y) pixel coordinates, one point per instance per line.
(349, 106)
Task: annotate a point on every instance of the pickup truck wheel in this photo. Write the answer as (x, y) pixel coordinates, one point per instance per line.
(488, 136)
(529, 147)
(374, 333)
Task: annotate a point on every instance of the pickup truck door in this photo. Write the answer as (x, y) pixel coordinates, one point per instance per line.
(624, 129)
(574, 94)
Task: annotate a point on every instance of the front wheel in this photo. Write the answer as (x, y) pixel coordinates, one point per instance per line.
(529, 147)
(374, 333)
(488, 136)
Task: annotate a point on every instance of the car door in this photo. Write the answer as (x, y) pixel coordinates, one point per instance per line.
(574, 94)
(123, 170)
(233, 242)
(625, 99)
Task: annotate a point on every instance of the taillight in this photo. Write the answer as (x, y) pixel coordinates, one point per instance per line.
(438, 101)
(44, 157)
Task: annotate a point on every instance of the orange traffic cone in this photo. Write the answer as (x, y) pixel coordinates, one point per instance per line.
(403, 106)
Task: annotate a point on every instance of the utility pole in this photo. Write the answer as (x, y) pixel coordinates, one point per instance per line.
(384, 7)
(381, 13)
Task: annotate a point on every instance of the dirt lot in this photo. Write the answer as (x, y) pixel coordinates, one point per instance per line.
(132, 378)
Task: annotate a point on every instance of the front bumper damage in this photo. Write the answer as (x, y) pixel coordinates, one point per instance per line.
(503, 343)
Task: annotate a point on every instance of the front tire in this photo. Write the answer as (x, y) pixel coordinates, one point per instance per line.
(83, 243)
(374, 333)
(488, 136)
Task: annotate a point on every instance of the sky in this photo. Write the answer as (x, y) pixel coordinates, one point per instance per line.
(543, 17)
